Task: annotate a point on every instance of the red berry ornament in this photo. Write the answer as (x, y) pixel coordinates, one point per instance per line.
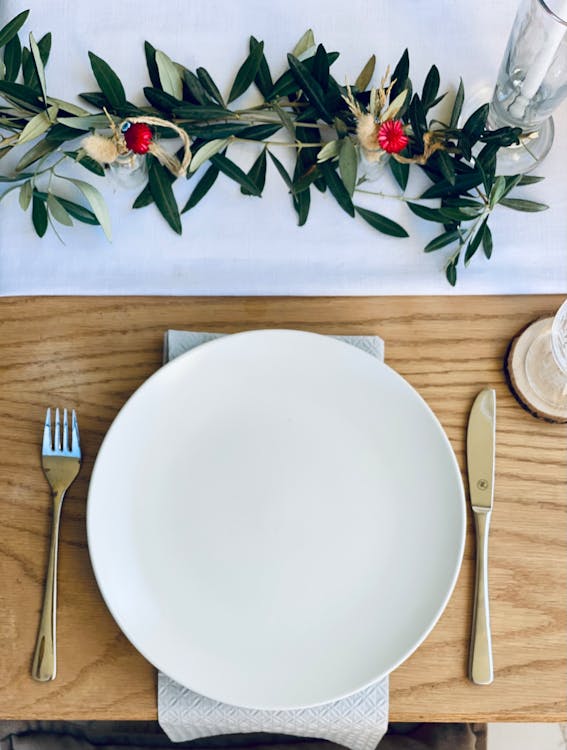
(391, 136)
(138, 137)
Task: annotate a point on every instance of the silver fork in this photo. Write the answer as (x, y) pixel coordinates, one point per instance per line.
(61, 461)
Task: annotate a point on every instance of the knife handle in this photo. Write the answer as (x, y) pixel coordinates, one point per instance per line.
(480, 662)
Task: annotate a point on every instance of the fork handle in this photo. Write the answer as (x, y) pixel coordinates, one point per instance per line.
(44, 665)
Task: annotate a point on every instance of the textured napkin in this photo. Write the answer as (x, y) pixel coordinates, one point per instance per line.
(358, 721)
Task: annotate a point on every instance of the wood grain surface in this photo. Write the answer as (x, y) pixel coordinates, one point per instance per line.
(92, 353)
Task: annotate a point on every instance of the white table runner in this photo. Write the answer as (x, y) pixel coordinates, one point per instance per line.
(237, 245)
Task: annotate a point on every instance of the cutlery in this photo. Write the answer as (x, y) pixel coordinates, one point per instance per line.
(480, 460)
(61, 461)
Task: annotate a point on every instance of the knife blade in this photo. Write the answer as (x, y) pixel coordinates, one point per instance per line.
(481, 440)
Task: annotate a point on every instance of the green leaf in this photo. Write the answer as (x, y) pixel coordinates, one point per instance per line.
(310, 86)
(451, 271)
(13, 58)
(286, 119)
(90, 122)
(487, 241)
(365, 75)
(25, 195)
(75, 210)
(202, 188)
(348, 164)
(217, 130)
(400, 75)
(10, 30)
(475, 124)
(442, 240)
(321, 67)
(259, 132)
(519, 204)
(460, 214)
(210, 86)
(161, 100)
(97, 204)
(86, 161)
(153, 72)
(329, 151)
(427, 213)
(169, 76)
(457, 106)
(59, 134)
(301, 204)
(462, 183)
(247, 72)
(108, 81)
(39, 215)
(395, 107)
(230, 169)
(197, 92)
(39, 69)
(286, 85)
(263, 79)
(511, 182)
(39, 150)
(21, 93)
(71, 109)
(207, 150)
(381, 223)
(58, 211)
(447, 166)
(497, 192)
(400, 172)
(282, 170)
(257, 173)
(416, 114)
(159, 180)
(145, 198)
(306, 41)
(530, 179)
(37, 125)
(337, 187)
(430, 88)
(474, 242)
(202, 112)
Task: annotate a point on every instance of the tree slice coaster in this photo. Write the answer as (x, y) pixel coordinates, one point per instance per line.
(517, 380)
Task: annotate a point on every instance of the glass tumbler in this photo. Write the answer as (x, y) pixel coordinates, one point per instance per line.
(531, 83)
(546, 362)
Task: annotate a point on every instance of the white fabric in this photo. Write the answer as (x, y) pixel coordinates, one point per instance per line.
(358, 721)
(233, 244)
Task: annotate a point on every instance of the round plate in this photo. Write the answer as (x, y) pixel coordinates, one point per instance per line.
(276, 519)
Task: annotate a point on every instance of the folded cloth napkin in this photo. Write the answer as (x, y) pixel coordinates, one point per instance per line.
(358, 721)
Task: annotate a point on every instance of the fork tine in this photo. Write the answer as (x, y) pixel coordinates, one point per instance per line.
(46, 445)
(65, 432)
(57, 440)
(75, 444)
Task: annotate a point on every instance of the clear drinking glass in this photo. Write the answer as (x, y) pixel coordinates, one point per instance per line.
(532, 82)
(546, 362)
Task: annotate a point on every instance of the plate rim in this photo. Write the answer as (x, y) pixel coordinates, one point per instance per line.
(178, 362)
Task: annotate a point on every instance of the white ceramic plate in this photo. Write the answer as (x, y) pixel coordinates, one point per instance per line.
(276, 519)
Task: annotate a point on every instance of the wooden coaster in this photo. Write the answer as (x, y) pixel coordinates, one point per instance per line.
(517, 380)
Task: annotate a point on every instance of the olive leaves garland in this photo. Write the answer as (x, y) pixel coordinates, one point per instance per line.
(306, 106)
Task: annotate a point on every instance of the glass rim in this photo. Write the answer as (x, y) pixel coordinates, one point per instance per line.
(552, 13)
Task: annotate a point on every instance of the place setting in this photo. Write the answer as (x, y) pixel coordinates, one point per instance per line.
(287, 484)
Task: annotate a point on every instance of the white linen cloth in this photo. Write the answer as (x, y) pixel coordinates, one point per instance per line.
(233, 244)
(358, 721)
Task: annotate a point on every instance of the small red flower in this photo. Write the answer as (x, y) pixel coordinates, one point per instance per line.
(138, 137)
(391, 136)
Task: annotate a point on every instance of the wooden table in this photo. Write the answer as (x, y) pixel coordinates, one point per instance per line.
(92, 353)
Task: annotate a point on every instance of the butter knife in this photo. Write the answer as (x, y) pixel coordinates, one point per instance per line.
(480, 461)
